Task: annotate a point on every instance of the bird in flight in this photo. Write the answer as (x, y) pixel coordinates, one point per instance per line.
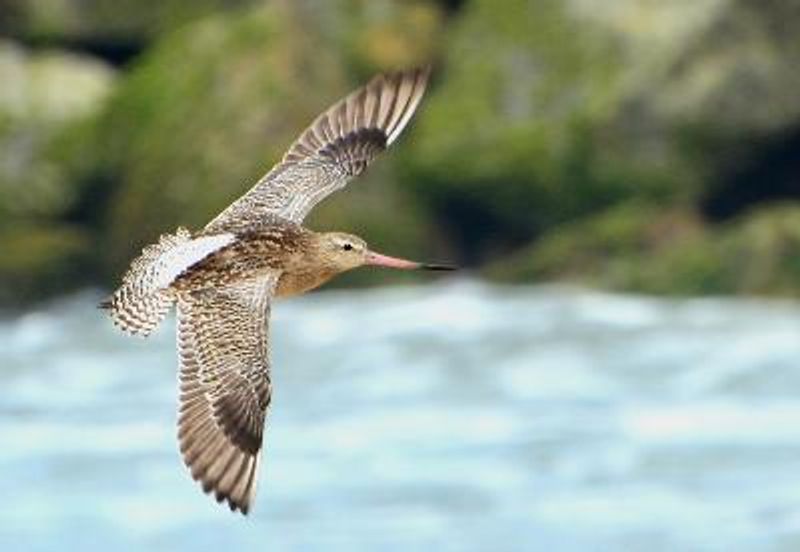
(223, 279)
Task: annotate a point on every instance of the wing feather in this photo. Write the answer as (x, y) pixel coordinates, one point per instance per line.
(338, 146)
(224, 386)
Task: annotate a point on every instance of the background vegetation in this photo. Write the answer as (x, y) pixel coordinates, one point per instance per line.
(632, 144)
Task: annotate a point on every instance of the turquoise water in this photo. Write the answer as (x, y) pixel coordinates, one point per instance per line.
(455, 416)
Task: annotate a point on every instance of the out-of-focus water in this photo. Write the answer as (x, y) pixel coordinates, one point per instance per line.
(450, 417)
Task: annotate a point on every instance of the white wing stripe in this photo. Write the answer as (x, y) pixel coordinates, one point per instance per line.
(174, 261)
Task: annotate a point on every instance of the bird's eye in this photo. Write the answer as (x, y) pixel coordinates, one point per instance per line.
(347, 246)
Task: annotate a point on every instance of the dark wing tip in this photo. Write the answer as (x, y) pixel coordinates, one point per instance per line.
(234, 505)
(238, 493)
(105, 304)
(384, 105)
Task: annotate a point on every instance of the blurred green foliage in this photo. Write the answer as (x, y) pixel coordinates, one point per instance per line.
(632, 145)
(102, 21)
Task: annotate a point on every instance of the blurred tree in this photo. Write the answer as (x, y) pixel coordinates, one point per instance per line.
(628, 142)
(45, 101)
(550, 112)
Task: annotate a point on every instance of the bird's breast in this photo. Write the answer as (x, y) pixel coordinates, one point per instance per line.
(295, 282)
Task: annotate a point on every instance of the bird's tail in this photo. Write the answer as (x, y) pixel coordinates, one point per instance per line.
(143, 299)
(145, 296)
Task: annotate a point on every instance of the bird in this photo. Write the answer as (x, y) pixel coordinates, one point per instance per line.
(223, 280)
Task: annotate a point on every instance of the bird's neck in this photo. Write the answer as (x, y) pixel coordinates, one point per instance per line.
(308, 269)
(295, 282)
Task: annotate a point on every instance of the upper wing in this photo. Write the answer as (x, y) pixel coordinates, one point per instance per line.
(224, 386)
(336, 147)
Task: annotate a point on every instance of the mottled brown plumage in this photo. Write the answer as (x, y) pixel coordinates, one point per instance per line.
(222, 280)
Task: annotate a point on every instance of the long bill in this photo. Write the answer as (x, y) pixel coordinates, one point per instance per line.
(376, 259)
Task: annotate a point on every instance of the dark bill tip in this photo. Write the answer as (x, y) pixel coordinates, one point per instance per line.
(431, 266)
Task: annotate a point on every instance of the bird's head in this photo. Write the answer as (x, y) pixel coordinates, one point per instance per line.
(342, 251)
(346, 251)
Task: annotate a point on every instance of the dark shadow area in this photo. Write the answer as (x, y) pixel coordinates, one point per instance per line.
(764, 170)
(118, 52)
(452, 6)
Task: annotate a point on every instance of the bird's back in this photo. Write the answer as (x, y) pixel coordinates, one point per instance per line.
(271, 248)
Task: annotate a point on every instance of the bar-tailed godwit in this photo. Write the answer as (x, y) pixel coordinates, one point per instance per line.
(224, 277)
